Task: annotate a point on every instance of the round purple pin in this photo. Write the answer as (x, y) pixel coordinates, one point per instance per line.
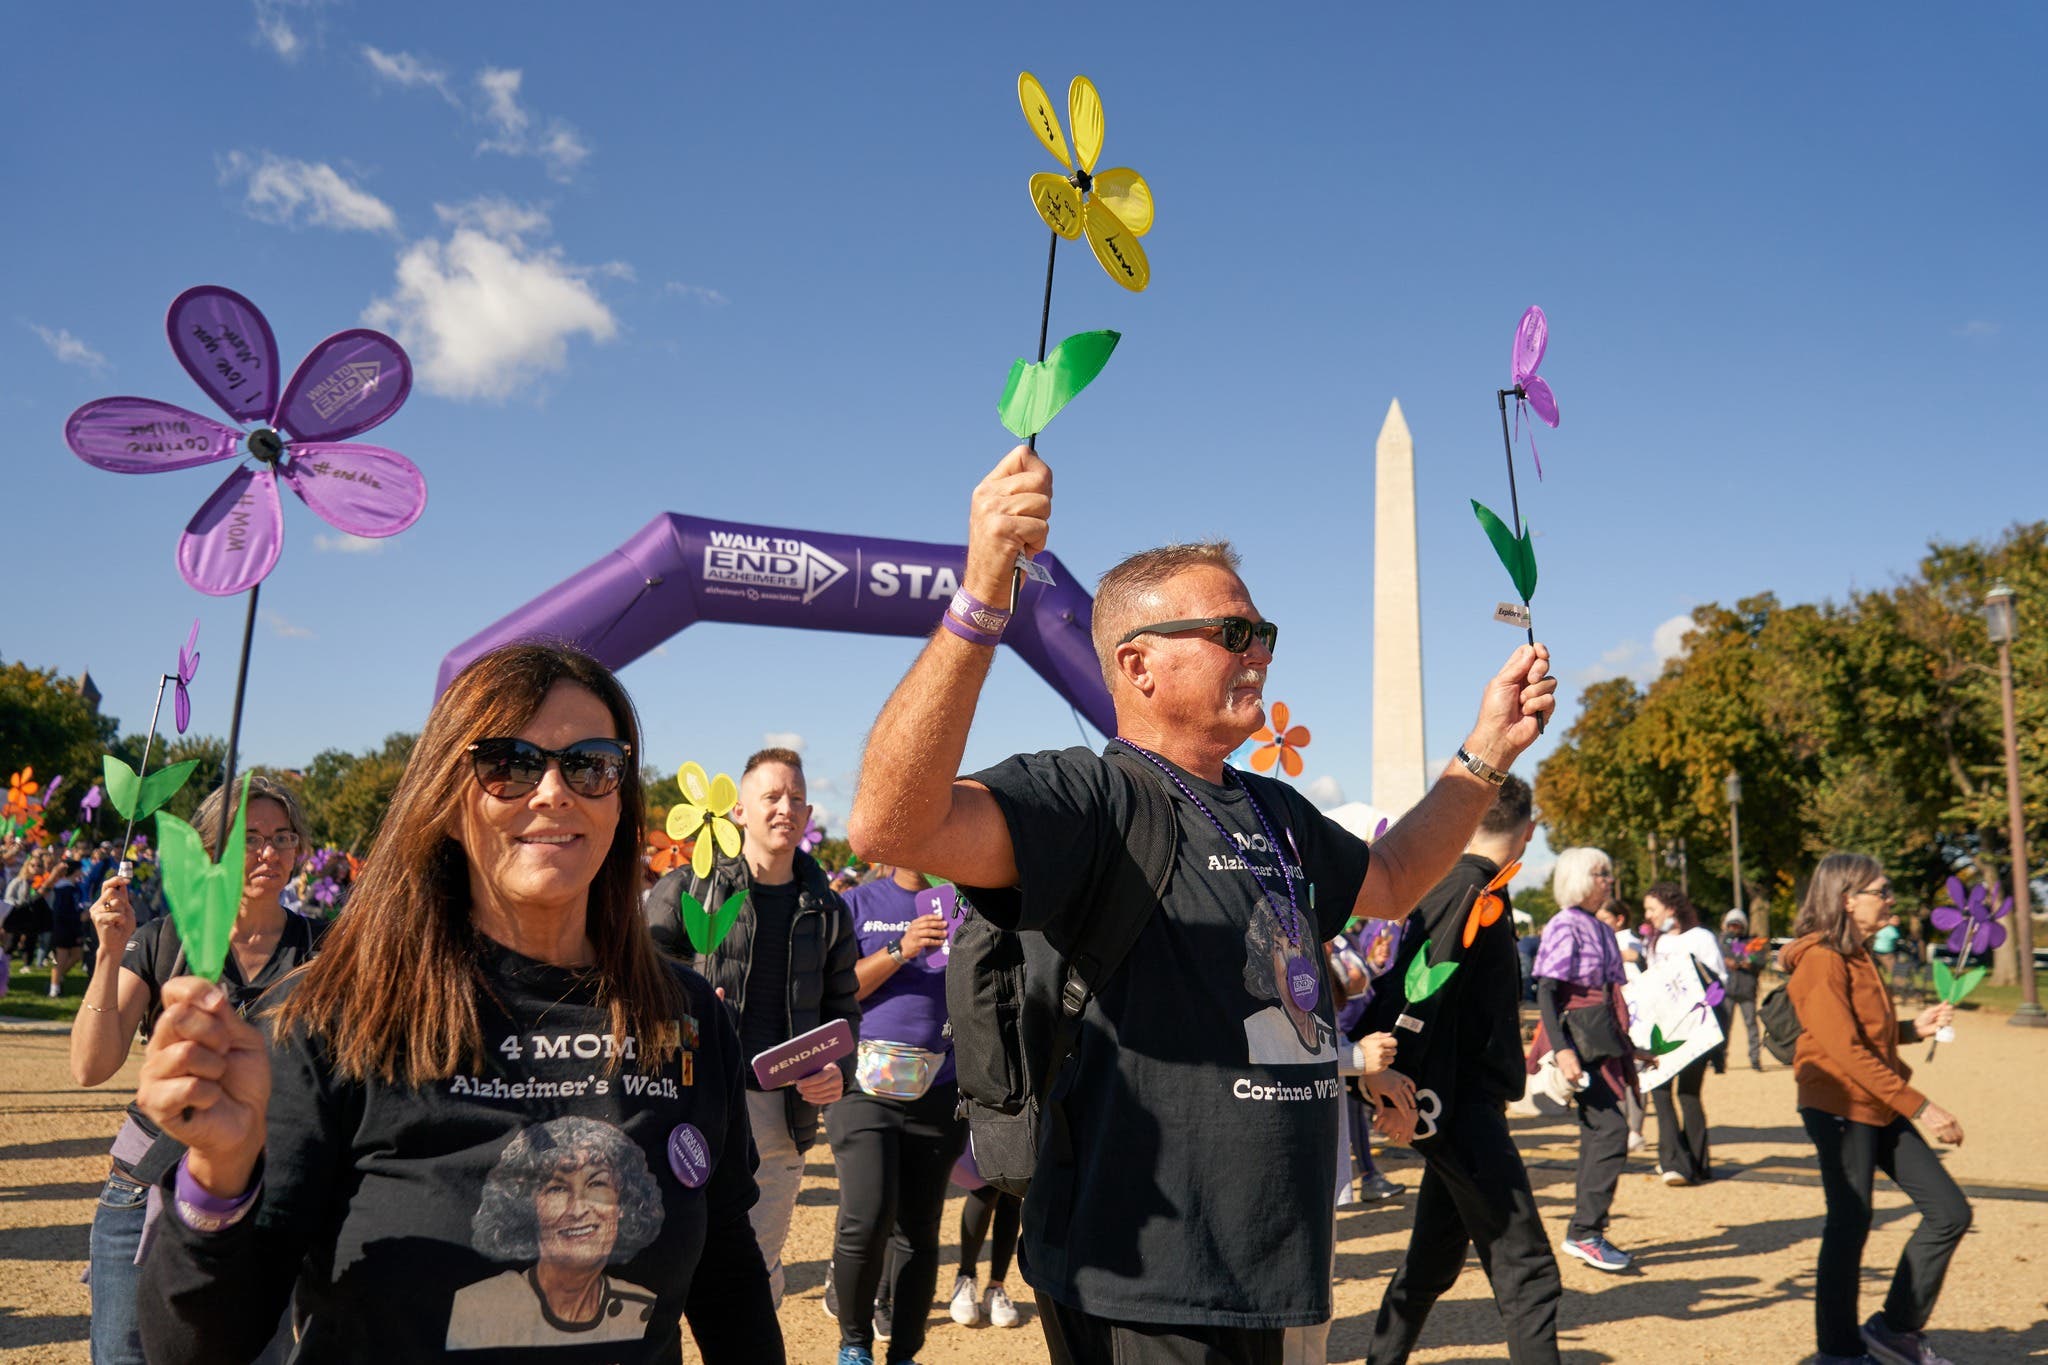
(1301, 982)
(689, 1156)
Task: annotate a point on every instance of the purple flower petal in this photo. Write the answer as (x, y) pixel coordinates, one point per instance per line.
(144, 436)
(188, 657)
(1990, 936)
(363, 490)
(1948, 917)
(233, 540)
(1541, 399)
(181, 707)
(345, 385)
(1532, 337)
(1955, 941)
(225, 345)
(1958, 894)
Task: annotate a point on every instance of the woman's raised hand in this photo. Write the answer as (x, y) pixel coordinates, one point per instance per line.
(206, 1082)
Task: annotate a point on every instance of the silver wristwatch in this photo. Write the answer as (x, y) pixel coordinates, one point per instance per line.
(1479, 767)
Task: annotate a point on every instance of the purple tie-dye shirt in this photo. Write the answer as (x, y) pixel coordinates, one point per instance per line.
(1578, 949)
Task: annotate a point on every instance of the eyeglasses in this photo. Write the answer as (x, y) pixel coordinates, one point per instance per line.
(1883, 892)
(511, 768)
(1603, 876)
(284, 841)
(1234, 633)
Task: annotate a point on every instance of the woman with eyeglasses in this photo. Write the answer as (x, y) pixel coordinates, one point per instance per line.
(127, 989)
(1578, 991)
(1859, 1106)
(490, 1003)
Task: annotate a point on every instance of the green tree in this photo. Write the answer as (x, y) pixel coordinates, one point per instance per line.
(46, 725)
(345, 795)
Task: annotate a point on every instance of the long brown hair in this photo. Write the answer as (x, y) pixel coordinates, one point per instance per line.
(1825, 910)
(395, 991)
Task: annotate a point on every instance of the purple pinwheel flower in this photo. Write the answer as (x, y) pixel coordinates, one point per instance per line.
(1532, 337)
(50, 792)
(347, 384)
(1970, 918)
(813, 836)
(89, 804)
(188, 668)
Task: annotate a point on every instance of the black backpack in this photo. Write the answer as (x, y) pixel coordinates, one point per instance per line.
(1015, 999)
(1781, 1022)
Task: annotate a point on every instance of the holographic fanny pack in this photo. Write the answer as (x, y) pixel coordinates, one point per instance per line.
(894, 1071)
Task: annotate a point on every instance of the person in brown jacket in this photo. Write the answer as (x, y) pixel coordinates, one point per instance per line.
(1858, 1103)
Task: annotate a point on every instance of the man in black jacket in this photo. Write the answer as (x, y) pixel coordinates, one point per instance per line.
(785, 968)
(1463, 1049)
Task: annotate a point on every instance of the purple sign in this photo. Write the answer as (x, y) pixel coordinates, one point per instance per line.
(940, 900)
(689, 1156)
(804, 1055)
(680, 570)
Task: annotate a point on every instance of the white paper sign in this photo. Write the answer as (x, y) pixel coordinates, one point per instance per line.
(1512, 614)
(1668, 995)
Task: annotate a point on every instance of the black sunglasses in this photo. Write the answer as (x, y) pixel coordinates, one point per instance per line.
(1234, 633)
(511, 768)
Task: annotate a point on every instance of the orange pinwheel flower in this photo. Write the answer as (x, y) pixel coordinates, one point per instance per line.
(1278, 741)
(1486, 909)
(21, 789)
(668, 854)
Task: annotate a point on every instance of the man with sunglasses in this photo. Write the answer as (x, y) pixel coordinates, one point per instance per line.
(786, 967)
(1189, 1214)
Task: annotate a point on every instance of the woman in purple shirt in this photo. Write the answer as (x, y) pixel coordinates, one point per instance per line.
(1578, 990)
(895, 1137)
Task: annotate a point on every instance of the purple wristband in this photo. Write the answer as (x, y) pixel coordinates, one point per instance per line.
(978, 615)
(969, 633)
(206, 1212)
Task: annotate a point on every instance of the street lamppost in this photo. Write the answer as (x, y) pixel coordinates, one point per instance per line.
(1734, 788)
(2001, 623)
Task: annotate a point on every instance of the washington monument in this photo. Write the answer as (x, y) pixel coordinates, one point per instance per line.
(1399, 777)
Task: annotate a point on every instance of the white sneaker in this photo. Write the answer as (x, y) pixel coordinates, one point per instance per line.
(964, 1309)
(1001, 1312)
(55, 991)
(1635, 1142)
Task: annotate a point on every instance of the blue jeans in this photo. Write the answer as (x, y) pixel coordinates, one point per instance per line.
(116, 1233)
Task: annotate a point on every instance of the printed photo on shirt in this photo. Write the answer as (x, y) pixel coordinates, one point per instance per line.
(566, 1199)
(1283, 1034)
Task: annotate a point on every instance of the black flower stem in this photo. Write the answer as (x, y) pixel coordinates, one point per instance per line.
(227, 781)
(1052, 254)
(1963, 961)
(1514, 499)
(162, 681)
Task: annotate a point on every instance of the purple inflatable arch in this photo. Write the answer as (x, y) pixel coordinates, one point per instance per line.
(680, 570)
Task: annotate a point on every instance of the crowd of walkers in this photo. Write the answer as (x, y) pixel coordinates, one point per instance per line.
(516, 1104)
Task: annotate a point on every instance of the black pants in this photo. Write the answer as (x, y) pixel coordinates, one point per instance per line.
(1073, 1337)
(893, 1158)
(985, 1206)
(1850, 1153)
(1475, 1192)
(1603, 1151)
(1682, 1122)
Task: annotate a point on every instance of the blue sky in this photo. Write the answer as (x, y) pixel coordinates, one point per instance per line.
(771, 263)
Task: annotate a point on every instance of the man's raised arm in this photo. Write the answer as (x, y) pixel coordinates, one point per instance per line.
(910, 812)
(1415, 854)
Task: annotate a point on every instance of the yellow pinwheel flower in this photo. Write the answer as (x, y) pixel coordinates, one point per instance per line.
(703, 814)
(1113, 208)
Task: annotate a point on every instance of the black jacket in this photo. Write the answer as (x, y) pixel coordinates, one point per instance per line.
(822, 954)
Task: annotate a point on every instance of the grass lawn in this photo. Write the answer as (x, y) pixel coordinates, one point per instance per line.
(28, 994)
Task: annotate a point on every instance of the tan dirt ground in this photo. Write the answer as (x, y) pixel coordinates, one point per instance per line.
(1725, 1272)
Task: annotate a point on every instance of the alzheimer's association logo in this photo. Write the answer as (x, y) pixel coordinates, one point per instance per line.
(347, 386)
(786, 566)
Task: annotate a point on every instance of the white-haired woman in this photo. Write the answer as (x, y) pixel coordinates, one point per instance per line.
(1578, 989)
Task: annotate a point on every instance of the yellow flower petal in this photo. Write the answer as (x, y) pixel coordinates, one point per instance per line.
(696, 784)
(1124, 192)
(724, 795)
(700, 858)
(1084, 111)
(727, 834)
(1116, 247)
(685, 820)
(1058, 203)
(1038, 112)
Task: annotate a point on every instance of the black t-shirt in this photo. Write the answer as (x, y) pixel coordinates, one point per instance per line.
(423, 1222)
(1203, 1108)
(765, 1021)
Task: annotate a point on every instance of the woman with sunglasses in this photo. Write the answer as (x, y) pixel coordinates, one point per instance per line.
(491, 986)
(266, 943)
(1858, 1103)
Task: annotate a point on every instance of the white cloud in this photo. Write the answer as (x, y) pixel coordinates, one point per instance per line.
(286, 27)
(348, 545)
(305, 193)
(409, 72)
(1632, 660)
(71, 350)
(783, 739)
(561, 148)
(699, 292)
(486, 313)
(286, 629)
(1325, 791)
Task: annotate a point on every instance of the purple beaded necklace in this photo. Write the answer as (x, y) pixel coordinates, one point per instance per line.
(1302, 981)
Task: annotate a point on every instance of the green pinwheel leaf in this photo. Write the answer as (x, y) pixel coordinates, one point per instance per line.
(706, 930)
(1967, 982)
(204, 894)
(1036, 393)
(139, 798)
(1659, 1044)
(1517, 554)
(1944, 982)
(1423, 980)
